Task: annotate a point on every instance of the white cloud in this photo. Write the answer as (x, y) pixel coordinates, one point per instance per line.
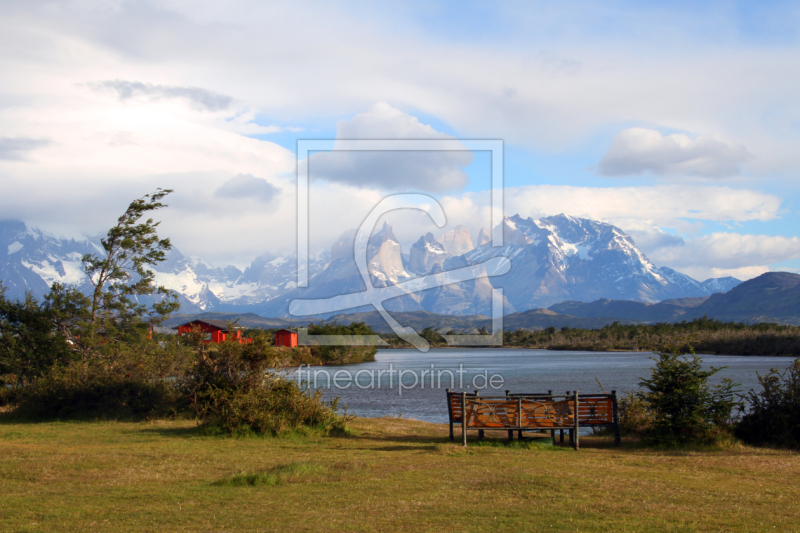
(662, 205)
(730, 251)
(640, 150)
(199, 98)
(434, 171)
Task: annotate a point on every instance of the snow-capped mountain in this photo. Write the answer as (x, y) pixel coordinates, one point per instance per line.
(553, 259)
(565, 258)
(31, 261)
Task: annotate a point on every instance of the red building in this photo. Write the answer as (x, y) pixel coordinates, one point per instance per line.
(214, 330)
(286, 338)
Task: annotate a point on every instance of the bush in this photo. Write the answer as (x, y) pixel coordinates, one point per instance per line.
(234, 388)
(684, 406)
(774, 417)
(122, 382)
(635, 417)
(272, 406)
(342, 355)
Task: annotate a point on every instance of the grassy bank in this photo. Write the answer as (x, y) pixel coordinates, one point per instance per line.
(391, 475)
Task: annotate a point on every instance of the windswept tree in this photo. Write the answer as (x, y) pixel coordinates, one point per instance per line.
(122, 275)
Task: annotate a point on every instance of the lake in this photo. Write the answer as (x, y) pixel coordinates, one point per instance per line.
(411, 384)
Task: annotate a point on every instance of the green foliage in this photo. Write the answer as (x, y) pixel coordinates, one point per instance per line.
(342, 354)
(774, 416)
(635, 416)
(683, 404)
(233, 388)
(35, 336)
(279, 475)
(703, 334)
(122, 381)
(122, 274)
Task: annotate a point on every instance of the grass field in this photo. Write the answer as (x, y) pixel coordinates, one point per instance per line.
(390, 475)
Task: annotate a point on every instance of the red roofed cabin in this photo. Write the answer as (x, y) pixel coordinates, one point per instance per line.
(286, 338)
(215, 330)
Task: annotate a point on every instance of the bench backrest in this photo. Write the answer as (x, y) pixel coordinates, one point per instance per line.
(454, 404)
(539, 411)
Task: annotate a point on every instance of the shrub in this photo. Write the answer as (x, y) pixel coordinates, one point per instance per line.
(235, 389)
(683, 404)
(342, 355)
(774, 416)
(635, 417)
(272, 406)
(123, 381)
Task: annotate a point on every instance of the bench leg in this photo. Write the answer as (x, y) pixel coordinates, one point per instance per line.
(561, 438)
(553, 435)
(451, 431)
(616, 435)
(519, 434)
(510, 434)
(480, 434)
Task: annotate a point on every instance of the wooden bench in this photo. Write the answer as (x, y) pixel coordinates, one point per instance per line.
(533, 412)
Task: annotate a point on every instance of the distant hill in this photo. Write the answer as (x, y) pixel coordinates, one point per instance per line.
(673, 310)
(419, 320)
(771, 297)
(531, 319)
(248, 320)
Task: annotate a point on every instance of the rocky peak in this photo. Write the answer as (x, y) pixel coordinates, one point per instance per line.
(427, 253)
(484, 237)
(343, 248)
(457, 241)
(384, 257)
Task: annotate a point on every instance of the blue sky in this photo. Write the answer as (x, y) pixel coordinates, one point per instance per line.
(677, 121)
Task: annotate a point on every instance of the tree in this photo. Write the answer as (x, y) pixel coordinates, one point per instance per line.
(35, 336)
(683, 404)
(122, 275)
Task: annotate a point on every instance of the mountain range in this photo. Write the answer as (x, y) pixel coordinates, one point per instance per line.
(771, 297)
(553, 260)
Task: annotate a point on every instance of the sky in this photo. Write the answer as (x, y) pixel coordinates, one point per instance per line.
(677, 122)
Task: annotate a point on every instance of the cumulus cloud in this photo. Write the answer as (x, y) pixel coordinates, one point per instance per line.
(434, 171)
(641, 150)
(17, 148)
(196, 97)
(728, 254)
(662, 205)
(730, 251)
(244, 186)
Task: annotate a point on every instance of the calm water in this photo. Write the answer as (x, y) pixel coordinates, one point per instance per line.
(368, 392)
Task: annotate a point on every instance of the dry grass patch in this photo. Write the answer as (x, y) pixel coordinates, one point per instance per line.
(388, 474)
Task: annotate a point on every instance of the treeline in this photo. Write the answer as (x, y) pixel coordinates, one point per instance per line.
(703, 335)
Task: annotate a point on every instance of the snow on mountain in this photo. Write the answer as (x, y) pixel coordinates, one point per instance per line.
(426, 253)
(560, 258)
(553, 259)
(33, 261)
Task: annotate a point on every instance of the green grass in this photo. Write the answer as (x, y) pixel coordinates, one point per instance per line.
(278, 475)
(386, 475)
